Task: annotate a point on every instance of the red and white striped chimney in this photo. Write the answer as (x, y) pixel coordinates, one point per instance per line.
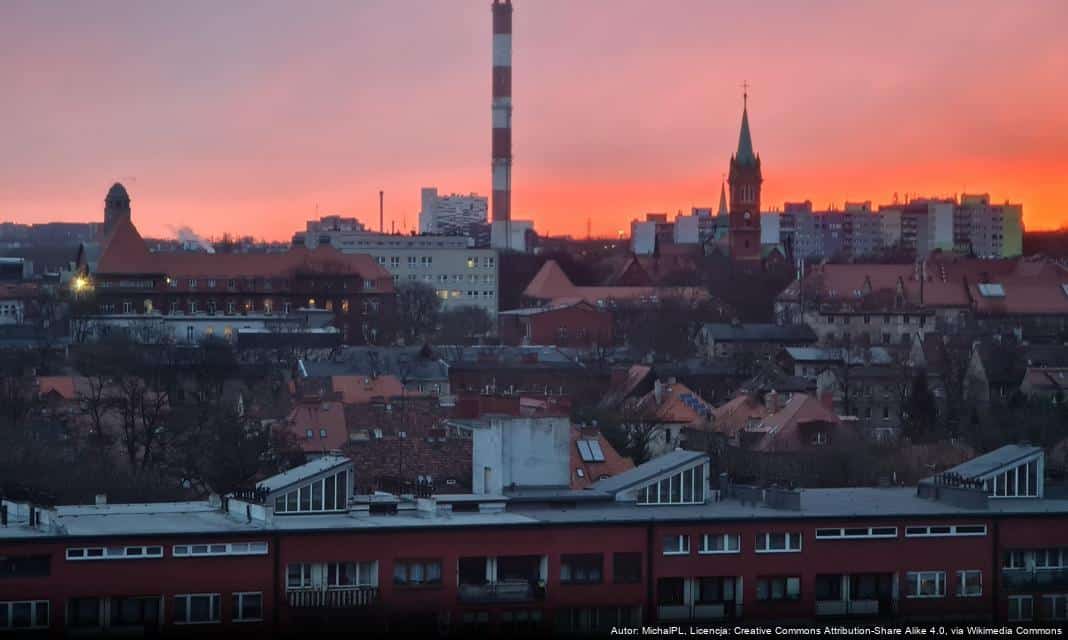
(502, 109)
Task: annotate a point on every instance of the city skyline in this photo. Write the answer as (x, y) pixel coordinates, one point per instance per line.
(263, 117)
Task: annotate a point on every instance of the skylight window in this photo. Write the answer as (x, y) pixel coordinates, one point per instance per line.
(590, 451)
(991, 290)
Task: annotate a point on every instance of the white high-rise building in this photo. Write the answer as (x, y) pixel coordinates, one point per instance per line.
(450, 214)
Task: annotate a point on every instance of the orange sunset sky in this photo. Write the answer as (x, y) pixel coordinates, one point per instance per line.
(245, 117)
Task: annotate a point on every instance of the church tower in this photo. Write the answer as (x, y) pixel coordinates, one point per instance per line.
(744, 181)
(116, 206)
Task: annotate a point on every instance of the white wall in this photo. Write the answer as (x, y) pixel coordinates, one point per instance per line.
(525, 451)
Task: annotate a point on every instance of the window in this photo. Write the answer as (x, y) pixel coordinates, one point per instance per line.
(1019, 481)
(258, 548)
(671, 591)
(25, 566)
(925, 584)
(585, 568)
(778, 588)
(828, 587)
(856, 532)
(686, 487)
(1054, 607)
(946, 530)
(778, 542)
(113, 553)
(416, 572)
(202, 608)
(626, 568)
(1051, 558)
(590, 451)
(248, 607)
(721, 543)
(676, 545)
(352, 574)
(325, 494)
(969, 584)
(24, 614)
(84, 613)
(714, 590)
(298, 576)
(140, 612)
(1021, 608)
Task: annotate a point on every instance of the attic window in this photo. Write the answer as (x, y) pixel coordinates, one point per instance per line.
(991, 290)
(590, 451)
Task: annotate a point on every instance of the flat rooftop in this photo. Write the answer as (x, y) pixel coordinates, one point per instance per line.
(199, 518)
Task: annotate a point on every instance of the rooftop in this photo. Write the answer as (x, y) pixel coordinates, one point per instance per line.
(995, 460)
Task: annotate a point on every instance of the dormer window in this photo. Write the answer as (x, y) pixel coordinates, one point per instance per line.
(685, 487)
(326, 492)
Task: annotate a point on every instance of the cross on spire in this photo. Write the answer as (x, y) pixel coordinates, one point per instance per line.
(745, 93)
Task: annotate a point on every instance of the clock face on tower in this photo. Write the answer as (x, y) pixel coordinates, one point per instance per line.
(747, 215)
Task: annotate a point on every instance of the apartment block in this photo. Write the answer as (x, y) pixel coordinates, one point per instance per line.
(662, 543)
(462, 274)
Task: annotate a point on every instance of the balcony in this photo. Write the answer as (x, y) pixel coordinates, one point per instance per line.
(332, 598)
(847, 607)
(1034, 579)
(504, 591)
(695, 611)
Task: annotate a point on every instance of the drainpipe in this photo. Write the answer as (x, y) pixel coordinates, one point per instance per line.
(650, 591)
(279, 587)
(995, 579)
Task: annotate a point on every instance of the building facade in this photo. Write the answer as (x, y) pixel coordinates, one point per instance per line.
(745, 180)
(461, 274)
(661, 543)
(452, 214)
(185, 296)
(970, 225)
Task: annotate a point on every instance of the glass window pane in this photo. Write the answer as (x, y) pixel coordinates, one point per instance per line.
(342, 489)
(676, 488)
(687, 485)
(330, 493)
(20, 615)
(317, 496)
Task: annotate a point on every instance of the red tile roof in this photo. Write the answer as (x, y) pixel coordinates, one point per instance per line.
(361, 389)
(769, 426)
(1031, 286)
(585, 473)
(124, 251)
(66, 387)
(552, 284)
(673, 405)
(326, 423)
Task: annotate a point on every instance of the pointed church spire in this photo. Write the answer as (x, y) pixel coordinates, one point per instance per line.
(723, 211)
(745, 156)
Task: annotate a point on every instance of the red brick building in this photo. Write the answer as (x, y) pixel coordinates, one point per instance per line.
(570, 324)
(180, 293)
(659, 543)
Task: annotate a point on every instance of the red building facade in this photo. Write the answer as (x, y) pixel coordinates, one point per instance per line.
(126, 283)
(577, 324)
(620, 555)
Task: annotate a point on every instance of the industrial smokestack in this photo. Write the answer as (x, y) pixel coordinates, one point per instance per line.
(502, 110)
